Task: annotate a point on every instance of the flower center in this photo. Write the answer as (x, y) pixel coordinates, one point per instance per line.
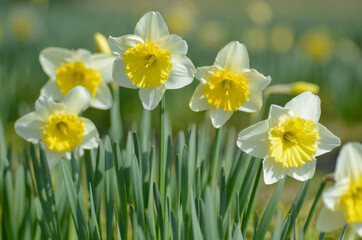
(147, 65)
(75, 74)
(226, 90)
(352, 202)
(293, 142)
(63, 132)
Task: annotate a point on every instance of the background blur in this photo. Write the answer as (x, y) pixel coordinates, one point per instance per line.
(316, 41)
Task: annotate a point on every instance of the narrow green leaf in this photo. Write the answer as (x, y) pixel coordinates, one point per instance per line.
(196, 230)
(137, 191)
(108, 179)
(94, 232)
(209, 216)
(277, 233)
(269, 212)
(116, 130)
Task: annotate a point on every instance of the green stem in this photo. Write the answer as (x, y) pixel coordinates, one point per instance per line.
(162, 160)
(215, 155)
(252, 197)
(310, 215)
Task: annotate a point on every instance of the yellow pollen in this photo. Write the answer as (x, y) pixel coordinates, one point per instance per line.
(226, 90)
(352, 202)
(147, 65)
(63, 132)
(293, 142)
(75, 74)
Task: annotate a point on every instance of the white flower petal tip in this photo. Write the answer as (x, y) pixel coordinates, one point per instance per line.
(151, 27)
(349, 162)
(233, 57)
(198, 101)
(53, 57)
(151, 97)
(219, 117)
(328, 221)
(306, 105)
(77, 100)
(272, 172)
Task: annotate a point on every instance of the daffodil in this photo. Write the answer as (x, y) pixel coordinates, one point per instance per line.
(59, 127)
(289, 140)
(228, 85)
(70, 68)
(151, 59)
(343, 200)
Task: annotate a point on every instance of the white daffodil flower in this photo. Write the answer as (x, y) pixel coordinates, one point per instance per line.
(343, 201)
(59, 127)
(228, 85)
(289, 140)
(69, 68)
(151, 59)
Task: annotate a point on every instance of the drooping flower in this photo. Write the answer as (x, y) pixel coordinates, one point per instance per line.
(343, 200)
(289, 140)
(151, 60)
(59, 127)
(228, 85)
(70, 68)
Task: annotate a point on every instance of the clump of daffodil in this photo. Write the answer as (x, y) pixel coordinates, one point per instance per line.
(229, 85)
(318, 46)
(59, 127)
(293, 89)
(256, 39)
(282, 38)
(211, 34)
(70, 68)
(180, 17)
(101, 43)
(343, 201)
(151, 59)
(260, 12)
(24, 23)
(289, 140)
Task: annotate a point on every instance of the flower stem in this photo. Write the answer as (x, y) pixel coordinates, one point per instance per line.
(311, 212)
(162, 154)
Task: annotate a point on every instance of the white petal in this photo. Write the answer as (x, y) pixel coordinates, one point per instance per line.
(256, 81)
(103, 63)
(306, 105)
(254, 104)
(45, 106)
(182, 72)
(81, 55)
(51, 90)
(103, 97)
(349, 162)
(119, 45)
(358, 228)
(272, 172)
(91, 135)
(219, 117)
(233, 57)
(327, 140)
(254, 139)
(150, 97)
(51, 58)
(174, 44)
(203, 73)
(53, 157)
(277, 114)
(30, 127)
(332, 196)
(151, 27)
(119, 74)
(77, 100)
(303, 173)
(329, 221)
(198, 101)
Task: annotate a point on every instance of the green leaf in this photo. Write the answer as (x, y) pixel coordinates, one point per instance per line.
(137, 191)
(269, 212)
(209, 216)
(277, 233)
(74, 203)
(108, 179)
(116, 130)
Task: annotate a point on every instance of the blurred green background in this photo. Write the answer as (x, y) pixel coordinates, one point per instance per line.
(314, 41)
